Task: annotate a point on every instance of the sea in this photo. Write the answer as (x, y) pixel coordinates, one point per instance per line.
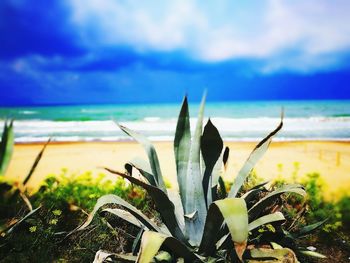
(236, 121)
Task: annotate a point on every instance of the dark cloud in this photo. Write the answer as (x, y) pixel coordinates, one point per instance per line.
(35, 27)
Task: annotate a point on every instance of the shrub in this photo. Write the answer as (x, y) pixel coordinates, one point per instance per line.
(202, 222)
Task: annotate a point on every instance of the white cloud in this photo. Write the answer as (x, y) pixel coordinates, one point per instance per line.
(272, 31)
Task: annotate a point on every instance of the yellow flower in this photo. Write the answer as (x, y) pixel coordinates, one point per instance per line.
(32, 229)
(57, 212)
(53, 221)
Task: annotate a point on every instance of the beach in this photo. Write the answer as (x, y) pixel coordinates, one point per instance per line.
(285, 160)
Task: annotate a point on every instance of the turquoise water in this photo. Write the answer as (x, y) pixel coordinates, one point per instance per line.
(317, 120)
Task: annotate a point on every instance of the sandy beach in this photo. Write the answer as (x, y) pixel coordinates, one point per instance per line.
(287, 159)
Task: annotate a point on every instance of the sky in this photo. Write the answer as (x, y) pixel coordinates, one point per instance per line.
(124, 51)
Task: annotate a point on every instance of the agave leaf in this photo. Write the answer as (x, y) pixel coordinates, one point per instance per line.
(137, 242)
(277, 216)
(102, 256)
(149, 177)
(165, 207)
(279, 254)
(308, 229)
(6, 147)
(275, 245)
(175, 198)
(226, 156)
(194, 190)
(36, 162)
(211, 146)
(163, 257)
(312, 254)
(267, 219)
(252, 195)
(151, 152)
(233, 212)
(123, 214)
(217, 170)
(223, 192)
(253, 158)
(182, 147)
(113, 199)
(152, 241)
(141, 163)
(256, 209)
(23, 219)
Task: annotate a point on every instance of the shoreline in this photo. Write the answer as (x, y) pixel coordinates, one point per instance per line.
(338, 140)
(284, 159)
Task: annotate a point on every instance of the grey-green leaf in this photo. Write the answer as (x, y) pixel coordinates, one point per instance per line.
(308, 229)
(211, 146)
(253, 158)
(152, 241)
(123, 214)
(165, 207)
(182, 147)
(23, 219)
(151, 152)
(113, 199)
(256, 209)
(194, 190)
(6, 146)
(233, 211)
(267, 219)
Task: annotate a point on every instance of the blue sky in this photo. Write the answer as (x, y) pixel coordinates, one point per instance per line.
(120, 51)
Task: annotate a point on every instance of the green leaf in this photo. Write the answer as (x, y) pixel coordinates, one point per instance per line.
(164, 206)
(211, 146)
(151, 152)
(152, 241)
(233, 212)
(267, 219)
(312, 254)
(194, 189)
(275, 245)
(308, 229)
(102, 256)
(279, 254)
(113, 199)
(14, 226)
(257, 208)
(36, 162)
(163, 257)
(253, 158)
(6, 147)
(182, 147)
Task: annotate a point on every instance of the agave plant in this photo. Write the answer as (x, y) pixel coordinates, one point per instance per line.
(17, 191)
(201, 221)
(6, 146)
